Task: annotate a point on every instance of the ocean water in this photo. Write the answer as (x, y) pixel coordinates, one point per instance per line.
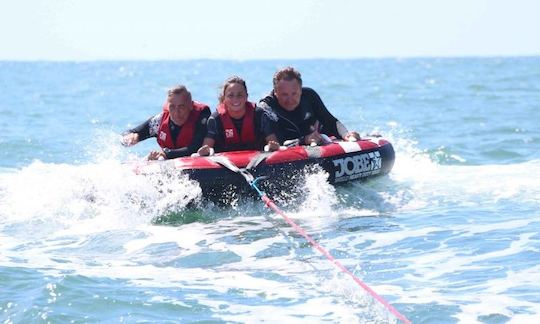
(451, 235)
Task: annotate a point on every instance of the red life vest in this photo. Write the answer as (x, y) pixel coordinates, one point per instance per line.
(164, 137)
(230, 133)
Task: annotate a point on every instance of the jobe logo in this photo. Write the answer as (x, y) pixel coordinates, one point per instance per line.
(356, 166)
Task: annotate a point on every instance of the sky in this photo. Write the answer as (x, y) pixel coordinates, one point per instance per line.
(265, 29)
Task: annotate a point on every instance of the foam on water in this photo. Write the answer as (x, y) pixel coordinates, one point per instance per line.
(167, 257)
(421, 182)
(56, 218)
(45, 198)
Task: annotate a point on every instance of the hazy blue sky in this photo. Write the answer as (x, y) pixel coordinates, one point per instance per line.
(258, 29)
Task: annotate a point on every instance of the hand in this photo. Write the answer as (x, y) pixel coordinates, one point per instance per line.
(313, 139)
(271, 146)
(352, 136)
(205, 150)
(156, 155)
(375, 134)
(130, 139)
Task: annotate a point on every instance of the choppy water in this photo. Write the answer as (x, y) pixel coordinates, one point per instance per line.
(450, 235)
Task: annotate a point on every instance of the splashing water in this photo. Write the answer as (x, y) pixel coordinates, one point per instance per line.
(104, 195)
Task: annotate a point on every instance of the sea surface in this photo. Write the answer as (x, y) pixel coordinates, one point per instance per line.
(451, 235)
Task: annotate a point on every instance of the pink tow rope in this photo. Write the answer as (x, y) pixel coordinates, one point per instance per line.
(300, 230)
(269, 203)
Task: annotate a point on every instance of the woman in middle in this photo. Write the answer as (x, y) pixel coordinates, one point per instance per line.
(238, 124)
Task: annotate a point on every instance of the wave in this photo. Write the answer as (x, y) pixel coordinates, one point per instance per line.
(99, 219)
(108, 194)
(419, 178)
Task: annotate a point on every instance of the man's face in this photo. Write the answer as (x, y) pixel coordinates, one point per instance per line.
(180, 106)
(288, 94)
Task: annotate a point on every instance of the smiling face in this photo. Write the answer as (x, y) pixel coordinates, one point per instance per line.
(288, 93)
(180, 105)
(235, 97)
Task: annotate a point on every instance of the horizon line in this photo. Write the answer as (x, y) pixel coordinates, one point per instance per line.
(389, 57)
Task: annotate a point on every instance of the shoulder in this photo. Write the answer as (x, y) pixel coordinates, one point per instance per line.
(157, 118)
(199, 105)
(309, 92)
(215, 114)
(203, 117)
(269, 100)
(214, 118)
(263, 105)
(154, 123)
(265, 111)
(205, 113)
(312, 97)
(202, 107)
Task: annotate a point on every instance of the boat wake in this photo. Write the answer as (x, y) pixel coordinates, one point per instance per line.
(407, 235)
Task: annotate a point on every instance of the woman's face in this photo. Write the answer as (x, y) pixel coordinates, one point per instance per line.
(235, 97)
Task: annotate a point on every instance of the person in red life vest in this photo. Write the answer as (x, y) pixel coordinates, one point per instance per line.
(238, 124)
(301, 113)
(180, 128)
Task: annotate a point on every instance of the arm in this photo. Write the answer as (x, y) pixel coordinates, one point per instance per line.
(329, 124)
(209, 141)
(327, 121)
(268, 122)
(350, 136)
(143, 131)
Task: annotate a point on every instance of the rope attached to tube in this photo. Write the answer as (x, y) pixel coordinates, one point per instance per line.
(246, 174)
(269, 203)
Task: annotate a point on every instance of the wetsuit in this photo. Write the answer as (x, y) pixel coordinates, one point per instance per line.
(264, 126)
(150, 128)
(310, 115)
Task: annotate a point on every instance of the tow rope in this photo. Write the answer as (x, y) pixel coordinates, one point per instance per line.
(244, 172)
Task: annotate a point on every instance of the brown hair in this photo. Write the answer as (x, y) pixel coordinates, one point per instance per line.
(178, 90)
(228, 82)
(288, 74)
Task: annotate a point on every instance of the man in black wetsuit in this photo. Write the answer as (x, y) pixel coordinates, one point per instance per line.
(180, 128)
(301, 113)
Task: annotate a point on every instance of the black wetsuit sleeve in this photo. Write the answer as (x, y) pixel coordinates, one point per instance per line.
(267, 122)
(328, 123)
(147, 129)
(213, 129)
(198, 137)
(266, 102)
(143, 130)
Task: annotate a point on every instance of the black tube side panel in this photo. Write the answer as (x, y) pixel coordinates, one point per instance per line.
(225, 185)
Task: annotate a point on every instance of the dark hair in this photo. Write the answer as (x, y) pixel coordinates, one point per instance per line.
(228, 82)
(178, 90)
(288, 74)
